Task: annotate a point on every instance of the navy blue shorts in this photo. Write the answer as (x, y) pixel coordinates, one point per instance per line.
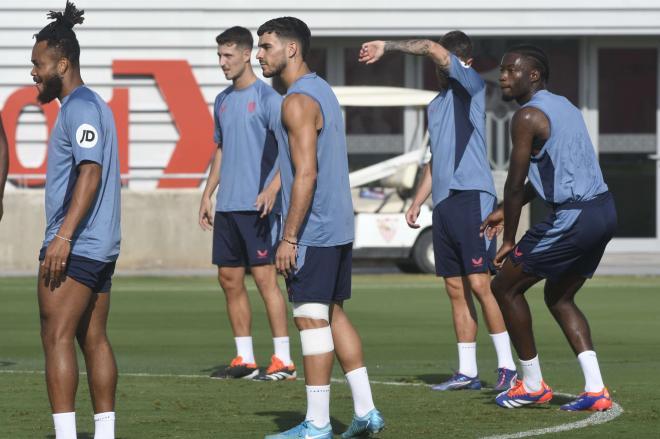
(458, 249)
(94, 274)
(243, 239)
(571, 240)
(323, 274)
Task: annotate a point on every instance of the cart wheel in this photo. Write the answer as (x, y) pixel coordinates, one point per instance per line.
(422, 253)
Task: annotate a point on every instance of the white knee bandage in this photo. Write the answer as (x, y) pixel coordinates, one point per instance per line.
(316, 311)
(316, 341)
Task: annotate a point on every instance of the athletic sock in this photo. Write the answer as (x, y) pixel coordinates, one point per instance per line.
(531, 372)
(503, 349)
(244, 349)
(104, 425)
(358, 381)
(282, 349)
(593, 381)
(467, 359)
(318, 405)
(65, 425)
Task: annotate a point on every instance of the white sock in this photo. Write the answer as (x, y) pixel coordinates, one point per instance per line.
(282, 350)
(244, 349)
(531, 372)
(467, 359)
(358, 381)
(318, 405)
(593, 381)
(65, 425)
(104, 425)
(503, 350)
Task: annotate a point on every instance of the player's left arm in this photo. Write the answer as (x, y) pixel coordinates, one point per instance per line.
(4, 164)
(84, 129)
(301, 116)
(267, 198)
(527, 124)
(372, 51)
(272, 118)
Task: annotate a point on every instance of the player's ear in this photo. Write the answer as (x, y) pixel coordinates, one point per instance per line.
(468, 62)
(534, 75)
(292, 49)
(63, 65)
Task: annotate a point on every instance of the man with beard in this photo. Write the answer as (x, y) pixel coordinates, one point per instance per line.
(551, 147)
(460, 180)
(4, 164)
(246, 221)
(315, 251)
(82, 235)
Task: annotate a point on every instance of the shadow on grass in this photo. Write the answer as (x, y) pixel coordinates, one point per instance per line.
(286, 420)
(433, 378)
(7, 363)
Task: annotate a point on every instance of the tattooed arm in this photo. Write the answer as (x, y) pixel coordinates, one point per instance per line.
(372, 51)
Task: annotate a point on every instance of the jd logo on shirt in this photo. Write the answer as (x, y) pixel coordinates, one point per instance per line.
(86, 136)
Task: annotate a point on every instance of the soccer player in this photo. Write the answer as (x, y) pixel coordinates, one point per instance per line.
(246, 220)
(551, 147)
(315, 251)
(4, 163)
(82, 235)
(461, 182)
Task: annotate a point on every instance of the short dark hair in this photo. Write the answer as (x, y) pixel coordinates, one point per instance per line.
(59, 33)
(237, 35)
(536, 55)
(289, 27)
(457, 43)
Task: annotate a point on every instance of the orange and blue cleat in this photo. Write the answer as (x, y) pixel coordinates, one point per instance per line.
(590, 401)
(518, 396)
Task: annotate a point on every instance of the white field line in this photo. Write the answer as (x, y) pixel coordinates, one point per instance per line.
(595, 419)
(357, 287)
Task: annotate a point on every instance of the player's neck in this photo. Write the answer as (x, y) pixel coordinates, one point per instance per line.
(293, 72)
(245, 80)
(528, 96)
(70, 84)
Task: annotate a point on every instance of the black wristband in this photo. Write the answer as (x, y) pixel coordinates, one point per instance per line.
(295, 244)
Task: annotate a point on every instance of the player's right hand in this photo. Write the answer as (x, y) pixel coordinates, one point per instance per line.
(411, 216)
(493, 224)
(371, 51)
(206, 214)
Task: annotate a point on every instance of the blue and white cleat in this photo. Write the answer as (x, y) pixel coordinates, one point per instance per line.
(506, 378)
(590, 401)
(305, 430)
(459, 382)
(371, 423)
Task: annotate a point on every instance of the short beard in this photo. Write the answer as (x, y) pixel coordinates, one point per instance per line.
(52, 88)
(508, 98)
(277, 71)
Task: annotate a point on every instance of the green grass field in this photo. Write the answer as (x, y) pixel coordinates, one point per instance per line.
(170, 333)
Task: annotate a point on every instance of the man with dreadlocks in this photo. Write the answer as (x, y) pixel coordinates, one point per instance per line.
(551, 147)
(459, 178)
(82, 230)
(4, 163)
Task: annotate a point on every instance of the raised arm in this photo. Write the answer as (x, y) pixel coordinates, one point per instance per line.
(302, 118)
(372, 51)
